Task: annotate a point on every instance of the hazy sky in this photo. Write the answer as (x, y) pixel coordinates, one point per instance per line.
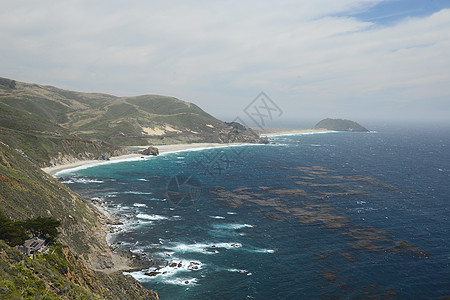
(356, 59)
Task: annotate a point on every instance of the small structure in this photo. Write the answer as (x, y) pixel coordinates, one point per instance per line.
(32, 246)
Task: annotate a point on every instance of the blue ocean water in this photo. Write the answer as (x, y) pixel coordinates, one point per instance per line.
(331, 215)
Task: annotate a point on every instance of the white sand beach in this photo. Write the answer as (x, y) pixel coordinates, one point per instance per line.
(135, 155)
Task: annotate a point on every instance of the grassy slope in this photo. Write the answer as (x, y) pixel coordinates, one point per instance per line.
(27, 192)
(59, 274)
(120, 121)
(29, 117)
(45, 142)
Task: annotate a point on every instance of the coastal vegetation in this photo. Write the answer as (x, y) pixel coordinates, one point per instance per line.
(54, 126)
(60, 274)
(16, 232)
(74, 268)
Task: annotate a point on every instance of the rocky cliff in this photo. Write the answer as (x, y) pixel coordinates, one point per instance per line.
(27, 192)
(60, 274)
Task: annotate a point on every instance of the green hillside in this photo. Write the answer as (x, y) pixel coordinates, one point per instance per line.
(59, 274)
(118, 121)
(27, 192)
(29, 123)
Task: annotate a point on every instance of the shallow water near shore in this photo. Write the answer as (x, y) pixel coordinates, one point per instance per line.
(320, 215)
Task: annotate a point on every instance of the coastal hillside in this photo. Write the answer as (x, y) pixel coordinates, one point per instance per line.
(44, 126)
(340, 125)
(29, 124)
(93, 124)
(27, 192)
(47, 143)
(59, 274)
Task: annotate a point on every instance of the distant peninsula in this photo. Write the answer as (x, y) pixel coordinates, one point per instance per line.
(340, 125)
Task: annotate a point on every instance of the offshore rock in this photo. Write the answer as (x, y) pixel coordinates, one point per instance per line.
(340, 125)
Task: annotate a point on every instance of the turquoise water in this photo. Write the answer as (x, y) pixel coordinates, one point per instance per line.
(346, 215)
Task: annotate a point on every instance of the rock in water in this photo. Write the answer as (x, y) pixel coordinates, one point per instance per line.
(340, 125)
(151, 151)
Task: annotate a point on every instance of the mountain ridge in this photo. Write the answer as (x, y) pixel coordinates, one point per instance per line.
(119, 121)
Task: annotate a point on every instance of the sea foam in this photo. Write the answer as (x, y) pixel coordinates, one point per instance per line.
(228, 226)
(81, 180)
(151, 217)
(205, 248)
(167, 272)
(137, 193)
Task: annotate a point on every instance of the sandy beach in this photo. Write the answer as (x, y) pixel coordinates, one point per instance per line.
(134, 154)
(134, 150)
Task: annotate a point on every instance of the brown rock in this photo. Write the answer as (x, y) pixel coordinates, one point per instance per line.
(150, 151)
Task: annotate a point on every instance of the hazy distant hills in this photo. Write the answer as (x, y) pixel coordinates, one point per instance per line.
(36, 119)
(340, 125)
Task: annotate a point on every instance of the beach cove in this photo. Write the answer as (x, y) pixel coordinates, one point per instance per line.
(134, 155)
(111, 224)
(337, 204)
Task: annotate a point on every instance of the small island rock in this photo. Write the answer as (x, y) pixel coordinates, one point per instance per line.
(340, 125)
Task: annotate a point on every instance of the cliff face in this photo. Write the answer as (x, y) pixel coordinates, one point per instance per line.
(27, 192)
(340, 125)
(59, 274)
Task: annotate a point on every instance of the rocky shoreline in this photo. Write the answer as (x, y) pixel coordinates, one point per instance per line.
(123, 259)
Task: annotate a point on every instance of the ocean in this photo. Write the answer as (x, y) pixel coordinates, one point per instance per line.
(308, 216)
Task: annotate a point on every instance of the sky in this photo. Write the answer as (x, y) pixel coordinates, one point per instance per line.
(364, 60)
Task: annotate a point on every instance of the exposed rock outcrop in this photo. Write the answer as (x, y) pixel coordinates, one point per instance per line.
(150, 151)
(238, 133)
(7, 83)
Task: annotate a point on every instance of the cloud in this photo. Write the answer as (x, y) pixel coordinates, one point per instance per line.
(313, 57)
